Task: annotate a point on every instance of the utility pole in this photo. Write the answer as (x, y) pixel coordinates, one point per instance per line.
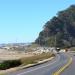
(57, 30)
(55, 42)
(39, 41)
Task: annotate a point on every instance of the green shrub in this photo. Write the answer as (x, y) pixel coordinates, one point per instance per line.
(9, 64)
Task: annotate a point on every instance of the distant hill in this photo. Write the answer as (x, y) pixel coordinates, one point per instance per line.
(60, 30)
(15, 44)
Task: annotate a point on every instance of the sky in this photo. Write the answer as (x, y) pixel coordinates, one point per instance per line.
(22, 20)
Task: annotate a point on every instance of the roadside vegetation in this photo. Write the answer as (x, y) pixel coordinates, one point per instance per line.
(25, 61)
(9, 63)
(36, 58)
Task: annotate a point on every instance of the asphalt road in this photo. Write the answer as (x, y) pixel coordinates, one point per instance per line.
(45, 69)
(71, 69)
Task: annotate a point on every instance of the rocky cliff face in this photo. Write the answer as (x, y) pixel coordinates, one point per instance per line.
(60, 30)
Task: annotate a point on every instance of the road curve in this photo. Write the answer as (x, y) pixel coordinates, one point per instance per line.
(71, 69)
(44, 69)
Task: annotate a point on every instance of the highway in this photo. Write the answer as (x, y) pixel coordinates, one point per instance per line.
(45, 69)
(71, 69)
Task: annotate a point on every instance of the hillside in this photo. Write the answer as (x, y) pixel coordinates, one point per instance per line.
(60, 30)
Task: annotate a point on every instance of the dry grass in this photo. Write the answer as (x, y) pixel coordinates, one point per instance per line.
(36, 58)
(13, 56)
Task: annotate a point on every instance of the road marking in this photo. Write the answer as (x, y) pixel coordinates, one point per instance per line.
(64, 67)
(39, 67)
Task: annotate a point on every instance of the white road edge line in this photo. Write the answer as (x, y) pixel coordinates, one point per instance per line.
(39, 67)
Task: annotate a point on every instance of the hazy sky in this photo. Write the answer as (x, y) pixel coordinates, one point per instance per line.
(22, 20)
